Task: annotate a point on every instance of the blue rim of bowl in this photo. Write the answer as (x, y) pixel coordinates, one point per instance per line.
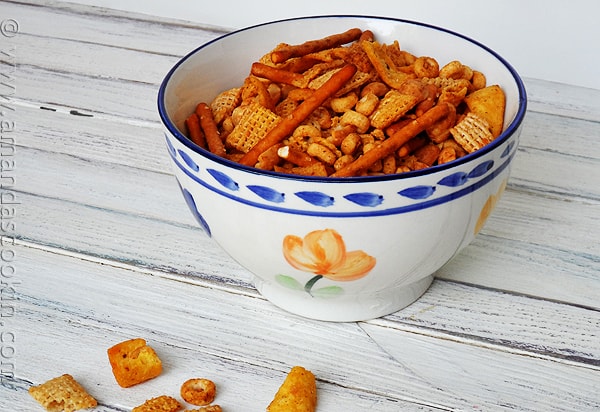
(510, 130)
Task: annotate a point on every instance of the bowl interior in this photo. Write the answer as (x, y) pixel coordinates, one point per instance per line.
(225, 62)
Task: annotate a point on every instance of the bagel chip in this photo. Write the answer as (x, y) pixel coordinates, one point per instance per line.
(489, 103)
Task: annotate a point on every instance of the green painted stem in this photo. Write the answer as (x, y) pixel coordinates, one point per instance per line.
(311, 283)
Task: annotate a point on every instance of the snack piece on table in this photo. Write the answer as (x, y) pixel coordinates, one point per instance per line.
(198, 391)
(161, 403)
(472, 132)
(62, 393)
(489, 103)
(210, 408)
(133, 362)
(298, 393)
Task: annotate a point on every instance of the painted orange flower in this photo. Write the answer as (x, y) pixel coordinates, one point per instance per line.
(488, 207)
(323, 252)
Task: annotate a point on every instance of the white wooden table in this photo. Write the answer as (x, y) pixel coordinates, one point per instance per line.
(98, 247)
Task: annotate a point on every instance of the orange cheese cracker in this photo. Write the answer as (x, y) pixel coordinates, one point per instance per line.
(133, 362)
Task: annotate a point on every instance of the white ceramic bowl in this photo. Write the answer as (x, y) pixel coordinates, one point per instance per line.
(342, 249)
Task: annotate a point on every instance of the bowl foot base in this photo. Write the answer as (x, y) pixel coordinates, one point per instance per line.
(344, 308)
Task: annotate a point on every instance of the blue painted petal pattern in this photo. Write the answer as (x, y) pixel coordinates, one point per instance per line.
(189, 199)
(418, 192)
(268, 194)
(454, 180)
(316, 198)
(188, 161)
(481, 169)
(170, 147)
(365, 199)
(508, 149)
(224, 180)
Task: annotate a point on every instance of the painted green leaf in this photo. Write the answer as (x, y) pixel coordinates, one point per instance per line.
(289, 282)
(328, 292)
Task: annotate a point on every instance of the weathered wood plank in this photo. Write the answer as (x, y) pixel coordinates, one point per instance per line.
(489, 379)
(119, 236)
(99, 26)
(552, 174)
(563, 99)
(561, 135)
(495, 319)
(52, 54)
(528, 269)
(547, 222)
(93, 140)
(130, 102)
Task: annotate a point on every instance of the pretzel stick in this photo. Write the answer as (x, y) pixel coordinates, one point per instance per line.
(195, 131)
(286, 126)
(277, 75)
(285, 51)
(213, 138)
(394, 142)
(413, 144)
(367, 35)
(394, 127)
(299, 64)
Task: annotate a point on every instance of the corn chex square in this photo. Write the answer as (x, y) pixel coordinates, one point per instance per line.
(255, 123)
(62, 393)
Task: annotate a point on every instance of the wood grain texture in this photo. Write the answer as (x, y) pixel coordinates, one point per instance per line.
(235, 338)
(105, 249)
